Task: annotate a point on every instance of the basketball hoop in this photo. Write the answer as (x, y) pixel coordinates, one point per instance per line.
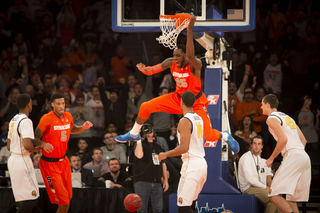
(171, 26)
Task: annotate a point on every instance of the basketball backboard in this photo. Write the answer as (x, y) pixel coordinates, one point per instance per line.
(212, 15)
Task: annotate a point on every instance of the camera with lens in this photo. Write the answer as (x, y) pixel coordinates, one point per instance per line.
(146, 129)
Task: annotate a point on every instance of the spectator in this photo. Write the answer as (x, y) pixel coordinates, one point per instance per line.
(5, 72)
(117, 177)
(4, 133)
(89, 31)
(255, 176)
(35, 160)
(235, 96)
(19, 42)
(38, 100)
(87, 178)
(162, 121)
(66, 23)
(98, 116)
(273, 73)
(289, 40)
(90, 56)
(70, 63)
(308, 121)
(115, 107)
(121, 65)
(82, 150)
(67, 100)
(131, 81)
(150, 176)
(250, 107)
(97, 160)
(272, 21)
(111, 127)
(9, 108)
(112, 150)
(114, 135)
(246, 131)
(63, 83)
(90, 75)
(80, 114)
(140, 97)
(4, 154)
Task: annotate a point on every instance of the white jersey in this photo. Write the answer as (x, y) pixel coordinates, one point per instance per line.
(290, 128)
(275, 74)
(98, 116)
(196, 146)
(22, 176)
(20, 127)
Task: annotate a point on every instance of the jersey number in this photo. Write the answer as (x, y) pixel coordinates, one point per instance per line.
(11, 131)
(63, 135)
(199, 130)
(181, 82)
(290, 122)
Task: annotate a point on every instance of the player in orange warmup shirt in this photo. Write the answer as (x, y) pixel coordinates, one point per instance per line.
(55, 128)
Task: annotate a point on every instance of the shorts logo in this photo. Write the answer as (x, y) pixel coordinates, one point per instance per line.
(53, 191)
(34, 193)
(262, 170)
(57, 200)
(270, 190)
(213, 99)
(49, 179)
(180, 200)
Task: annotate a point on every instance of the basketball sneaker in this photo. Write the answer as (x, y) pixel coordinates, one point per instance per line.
(234, 145)
(128, 137)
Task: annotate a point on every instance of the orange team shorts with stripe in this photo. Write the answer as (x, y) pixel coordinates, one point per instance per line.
(57, 178)
(171, 103)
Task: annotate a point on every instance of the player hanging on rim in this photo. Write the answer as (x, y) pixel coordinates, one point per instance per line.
(186, 70)
(55, 128)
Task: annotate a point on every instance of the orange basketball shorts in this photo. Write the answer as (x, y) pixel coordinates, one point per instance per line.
(57, 178)
(171, 103)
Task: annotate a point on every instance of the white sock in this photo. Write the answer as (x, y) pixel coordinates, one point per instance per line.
(135, 129)
(224, 136)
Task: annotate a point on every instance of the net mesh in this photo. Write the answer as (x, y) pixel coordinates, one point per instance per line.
(171, 26)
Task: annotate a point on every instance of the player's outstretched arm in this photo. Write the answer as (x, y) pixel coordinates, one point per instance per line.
(77, 129)
(195, 62)
(151, 70)
(185, 134)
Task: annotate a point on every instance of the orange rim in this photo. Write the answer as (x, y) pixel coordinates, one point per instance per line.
(179, 18)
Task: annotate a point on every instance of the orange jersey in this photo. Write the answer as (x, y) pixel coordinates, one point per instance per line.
(185, 80)
(56, 131)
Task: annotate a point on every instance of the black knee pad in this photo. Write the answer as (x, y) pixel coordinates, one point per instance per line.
(185, 209)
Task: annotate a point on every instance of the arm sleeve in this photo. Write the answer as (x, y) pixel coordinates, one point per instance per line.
(26, 129)
(44, 122)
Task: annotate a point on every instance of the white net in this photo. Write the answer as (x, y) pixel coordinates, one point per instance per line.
(171, 28)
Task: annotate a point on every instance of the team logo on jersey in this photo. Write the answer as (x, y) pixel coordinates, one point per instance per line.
(180, 200)
(51, 186)
(213, 99)
(49, 179)
(34, 193)
(270, 190)
(210, 144)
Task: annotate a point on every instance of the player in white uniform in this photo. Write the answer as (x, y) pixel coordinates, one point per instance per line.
(294, 174)
(23, 179)
(191, 147)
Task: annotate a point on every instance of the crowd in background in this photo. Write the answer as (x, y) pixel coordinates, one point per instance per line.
(68, 46)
